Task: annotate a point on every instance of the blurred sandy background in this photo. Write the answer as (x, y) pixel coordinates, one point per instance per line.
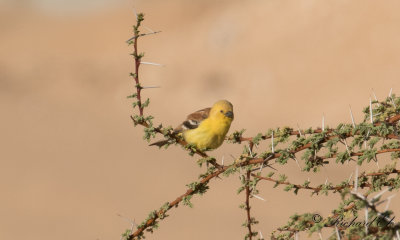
(70, 157)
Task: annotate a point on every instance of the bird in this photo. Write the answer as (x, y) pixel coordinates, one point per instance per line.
(205, 129)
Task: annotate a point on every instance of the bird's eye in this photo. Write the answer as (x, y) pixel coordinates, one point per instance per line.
(222, 111)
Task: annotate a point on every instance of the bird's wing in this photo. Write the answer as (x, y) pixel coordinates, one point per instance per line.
(193, 120)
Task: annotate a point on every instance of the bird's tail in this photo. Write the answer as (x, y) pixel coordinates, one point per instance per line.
(160, 143)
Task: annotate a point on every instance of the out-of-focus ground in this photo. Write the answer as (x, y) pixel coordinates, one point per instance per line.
(70, 157)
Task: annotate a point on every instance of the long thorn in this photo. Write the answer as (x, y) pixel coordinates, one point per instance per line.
(380, 194)
(391, 99)
(373, 93)
(356, 180)
(251, 153)
(134, 11)
(149, 29)
(376, 99)
(298, 128)
(261, 236)
(388, 201)
(150, 63)
(370, 110)
(297, 163)
(141, 35)
(272, 142)
(133, 223)
(337, 233)
(348, 180)
(261, 167)
(258, 197)
(352, 117)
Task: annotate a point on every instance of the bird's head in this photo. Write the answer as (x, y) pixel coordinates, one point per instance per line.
(222, 110)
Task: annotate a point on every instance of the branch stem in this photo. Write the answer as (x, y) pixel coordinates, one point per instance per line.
(248, 191)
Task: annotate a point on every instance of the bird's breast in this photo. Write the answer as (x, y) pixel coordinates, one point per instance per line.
(209, 134)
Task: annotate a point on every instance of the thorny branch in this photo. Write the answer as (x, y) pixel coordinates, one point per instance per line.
(327, 186)
(138, 58)
(374, 226)
(174, 203)
(387, 122)
(248, 191)
(392, 120)
(216, 173)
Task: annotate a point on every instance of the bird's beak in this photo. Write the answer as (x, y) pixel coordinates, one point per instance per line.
(229, 114)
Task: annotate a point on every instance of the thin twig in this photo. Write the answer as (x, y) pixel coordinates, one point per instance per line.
(174, 203)
(137, 64)
(391, 120)
(248, 191)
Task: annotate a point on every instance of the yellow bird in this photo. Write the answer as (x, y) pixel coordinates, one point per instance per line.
(206, 128)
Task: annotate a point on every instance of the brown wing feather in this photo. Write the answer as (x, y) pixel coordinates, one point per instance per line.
(193, 120)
